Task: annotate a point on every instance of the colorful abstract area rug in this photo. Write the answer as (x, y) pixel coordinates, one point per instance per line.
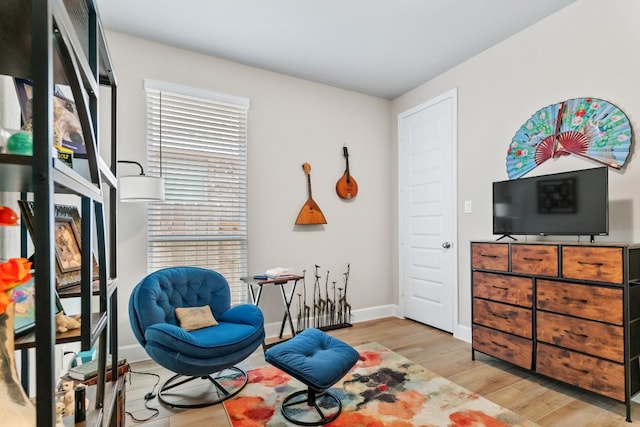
(383, 389)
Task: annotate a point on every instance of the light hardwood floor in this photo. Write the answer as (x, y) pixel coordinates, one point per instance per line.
(542, 400)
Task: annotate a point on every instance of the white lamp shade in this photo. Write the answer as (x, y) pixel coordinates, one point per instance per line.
(141, 188)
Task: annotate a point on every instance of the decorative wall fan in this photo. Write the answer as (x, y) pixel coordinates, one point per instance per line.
(587, 127)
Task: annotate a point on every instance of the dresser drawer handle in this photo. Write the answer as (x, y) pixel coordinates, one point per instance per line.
(502, 288)
(584, 371)
(500, 316)
(489, 255)
(595, 264)
(576, 334)
(581, 301)
(498, 345)
(533, 259)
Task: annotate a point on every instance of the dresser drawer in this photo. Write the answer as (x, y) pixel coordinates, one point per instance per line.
(510, 348)
(540, 260)
(507, 318)
(586, 301)
(586, 336)
(587, 263)
(598, 375)
(490, 256)
(500, 287)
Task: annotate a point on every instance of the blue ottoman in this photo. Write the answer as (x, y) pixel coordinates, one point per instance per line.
(319, 361)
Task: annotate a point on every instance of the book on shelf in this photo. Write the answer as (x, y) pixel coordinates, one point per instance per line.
(90, 369)
(122, 369)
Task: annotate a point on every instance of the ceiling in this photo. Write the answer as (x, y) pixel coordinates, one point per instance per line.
(383, 48)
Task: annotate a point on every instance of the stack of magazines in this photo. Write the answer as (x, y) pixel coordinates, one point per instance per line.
(274, 273)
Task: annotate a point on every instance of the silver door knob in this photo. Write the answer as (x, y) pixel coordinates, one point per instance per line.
(446, 245)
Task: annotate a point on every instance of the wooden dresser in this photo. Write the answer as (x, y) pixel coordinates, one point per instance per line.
(569, 311)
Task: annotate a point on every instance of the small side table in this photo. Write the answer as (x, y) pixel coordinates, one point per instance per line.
(255, 291)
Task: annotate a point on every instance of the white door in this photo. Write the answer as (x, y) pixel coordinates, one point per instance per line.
(427, 218)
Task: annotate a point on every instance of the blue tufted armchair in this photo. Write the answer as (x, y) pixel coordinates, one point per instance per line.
(208, 353)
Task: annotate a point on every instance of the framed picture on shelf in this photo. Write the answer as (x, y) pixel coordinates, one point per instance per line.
(67, 233)
(67, 129)
(25, 308)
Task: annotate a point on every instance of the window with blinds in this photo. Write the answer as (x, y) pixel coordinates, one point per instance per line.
(197, 141)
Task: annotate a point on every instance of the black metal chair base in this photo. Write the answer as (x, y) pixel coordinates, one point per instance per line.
(313, 409)
(179, 392)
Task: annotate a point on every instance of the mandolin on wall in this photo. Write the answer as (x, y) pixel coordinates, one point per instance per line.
(346, 187)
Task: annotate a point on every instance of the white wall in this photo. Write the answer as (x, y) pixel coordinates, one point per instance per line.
(587, 49)
(291, 121)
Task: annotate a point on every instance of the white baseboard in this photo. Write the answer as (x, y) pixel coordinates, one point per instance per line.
(272, 330)
(463, 333)
(133, 353)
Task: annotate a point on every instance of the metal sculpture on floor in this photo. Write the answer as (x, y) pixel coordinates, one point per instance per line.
(328, 313)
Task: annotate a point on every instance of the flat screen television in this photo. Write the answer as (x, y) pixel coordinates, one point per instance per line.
(569, 203)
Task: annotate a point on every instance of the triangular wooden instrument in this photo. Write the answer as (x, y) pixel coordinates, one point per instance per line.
(346, 187)
(310, 212)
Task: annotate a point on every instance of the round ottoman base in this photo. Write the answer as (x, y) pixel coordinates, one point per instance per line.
(308, 408)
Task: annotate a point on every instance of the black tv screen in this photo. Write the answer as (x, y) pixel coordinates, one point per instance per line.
(569, 203)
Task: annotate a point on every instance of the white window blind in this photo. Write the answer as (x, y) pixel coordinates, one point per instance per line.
(199, 146)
